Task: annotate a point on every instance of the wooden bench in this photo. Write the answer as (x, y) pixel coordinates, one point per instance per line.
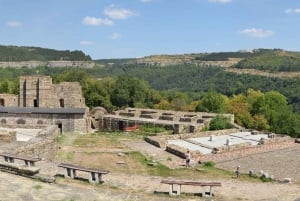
(10, 158)
(179, 183)
(94, 177)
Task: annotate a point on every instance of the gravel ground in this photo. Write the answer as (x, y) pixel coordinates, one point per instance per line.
(281, 164)
(122, 187)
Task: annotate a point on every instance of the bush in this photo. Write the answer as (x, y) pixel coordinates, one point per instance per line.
(209, 164)
(152, 128)
(219, 123)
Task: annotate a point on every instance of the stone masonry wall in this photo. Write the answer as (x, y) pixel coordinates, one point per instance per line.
(69, 122)
(44, 146)
(70, 93)
(35, 88)
(38, 91)
(7, 136)
(8, 100)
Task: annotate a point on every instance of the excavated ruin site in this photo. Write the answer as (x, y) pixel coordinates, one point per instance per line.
(30, 125)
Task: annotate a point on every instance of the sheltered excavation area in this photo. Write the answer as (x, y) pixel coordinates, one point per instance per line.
(212, 143)
(221, 145)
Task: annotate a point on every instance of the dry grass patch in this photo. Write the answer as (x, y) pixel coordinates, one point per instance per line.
(103, 151)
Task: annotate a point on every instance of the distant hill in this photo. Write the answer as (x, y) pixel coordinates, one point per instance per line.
(259, 59)
(264, 62)
(272, 61)
(22, 53)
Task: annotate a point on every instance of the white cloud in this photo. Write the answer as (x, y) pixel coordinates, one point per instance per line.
(257, 33)
(219, 1)
(14, 24)
(84, 42)
(97, 21)
(114, 12)
(115, 36)
(292, 10)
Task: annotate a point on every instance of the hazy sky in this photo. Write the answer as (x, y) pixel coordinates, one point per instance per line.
(136, 28)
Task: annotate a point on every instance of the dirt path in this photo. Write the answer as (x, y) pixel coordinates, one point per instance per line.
(281, 164)
(155, 153)
(231, 189)
(119, 186)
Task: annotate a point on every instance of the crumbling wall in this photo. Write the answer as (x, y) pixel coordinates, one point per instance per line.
(38, 91)
(69, 122)
(44, 146)
(68, 95)
(7, 136)
(35, 91)
(8, 100)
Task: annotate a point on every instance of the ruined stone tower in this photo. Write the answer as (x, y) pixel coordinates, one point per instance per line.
(38, 91)
(42, 103)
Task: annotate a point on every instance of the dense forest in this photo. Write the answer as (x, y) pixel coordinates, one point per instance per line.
(258, 102)
(273, 61)
(16, 53)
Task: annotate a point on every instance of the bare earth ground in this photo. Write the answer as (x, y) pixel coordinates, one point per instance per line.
(135, 185)
(282, 164)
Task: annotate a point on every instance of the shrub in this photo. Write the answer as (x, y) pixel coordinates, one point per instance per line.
(209, 164)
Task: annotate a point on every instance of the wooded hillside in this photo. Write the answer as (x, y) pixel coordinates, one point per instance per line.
(16, 53)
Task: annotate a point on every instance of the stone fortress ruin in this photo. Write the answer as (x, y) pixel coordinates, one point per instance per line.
(43, 107)
(42, 103)
(31, 121)
(177, 122)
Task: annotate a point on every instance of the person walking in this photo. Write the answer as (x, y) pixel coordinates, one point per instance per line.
(237, 172)
(187, 158)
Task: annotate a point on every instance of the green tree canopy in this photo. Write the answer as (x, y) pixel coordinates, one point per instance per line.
(220, 122)
(129, 91)
(212, 102)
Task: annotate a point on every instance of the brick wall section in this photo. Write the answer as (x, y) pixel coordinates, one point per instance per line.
(70, 122)
(44, 146)
(7, 136)
(246, 151)
(35, 88)
(180, 122)
(225, 153)
(162, 140)
(70, 92)
(46, 94)
(9, 100)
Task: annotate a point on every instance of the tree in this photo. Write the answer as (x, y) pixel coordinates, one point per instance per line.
(96, 94)
(128, 91)
(179, 104)
(239, 106)
(212, 102)
(274, 107)
(8, 86)
(260, 123)
(162, 105)
(220, 122)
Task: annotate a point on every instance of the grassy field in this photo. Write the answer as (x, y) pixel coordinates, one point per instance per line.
(107, 151)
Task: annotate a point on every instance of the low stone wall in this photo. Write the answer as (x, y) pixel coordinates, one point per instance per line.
(232, 154)
(19, 169)
(7, 136)
(161, 141)
(155, 142)
(222, 153)
(180, 152)
(44, 146)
